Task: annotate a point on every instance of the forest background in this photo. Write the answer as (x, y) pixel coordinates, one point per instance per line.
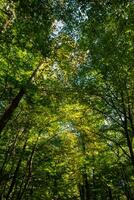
(66, 100)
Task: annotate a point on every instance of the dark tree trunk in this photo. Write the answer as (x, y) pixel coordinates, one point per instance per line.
(127, 116)
(15, 102)
(29, 176)
(85, 193)
(16, 172)
(110, 193)
(84, 189)
(126, 186)
(9, 111)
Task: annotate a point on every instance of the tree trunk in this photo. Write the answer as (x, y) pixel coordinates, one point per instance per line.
(126, 186)
(110, 193)
(16, 172)
(29, 176)
(9, 111)
(15, 102)
(125, 126)
(84, 188)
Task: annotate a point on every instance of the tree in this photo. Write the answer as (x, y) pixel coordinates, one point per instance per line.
(66, 100)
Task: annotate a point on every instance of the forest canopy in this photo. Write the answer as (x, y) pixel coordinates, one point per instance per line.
(66, 100)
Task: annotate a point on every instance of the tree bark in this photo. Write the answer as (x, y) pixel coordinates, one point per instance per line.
(85, 193)
(110, 193)
(29, 176)
(125, 126)
(15, 102)
(16, 172)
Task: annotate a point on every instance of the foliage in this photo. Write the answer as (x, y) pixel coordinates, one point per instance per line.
(66, 100)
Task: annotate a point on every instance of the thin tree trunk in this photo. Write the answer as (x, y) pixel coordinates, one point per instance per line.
(110, 193)
(16, 172)
(85, 188)
(126, 186)
(125, 125)
(29, 167)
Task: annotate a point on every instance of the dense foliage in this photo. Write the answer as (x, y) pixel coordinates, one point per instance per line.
(66, 100)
